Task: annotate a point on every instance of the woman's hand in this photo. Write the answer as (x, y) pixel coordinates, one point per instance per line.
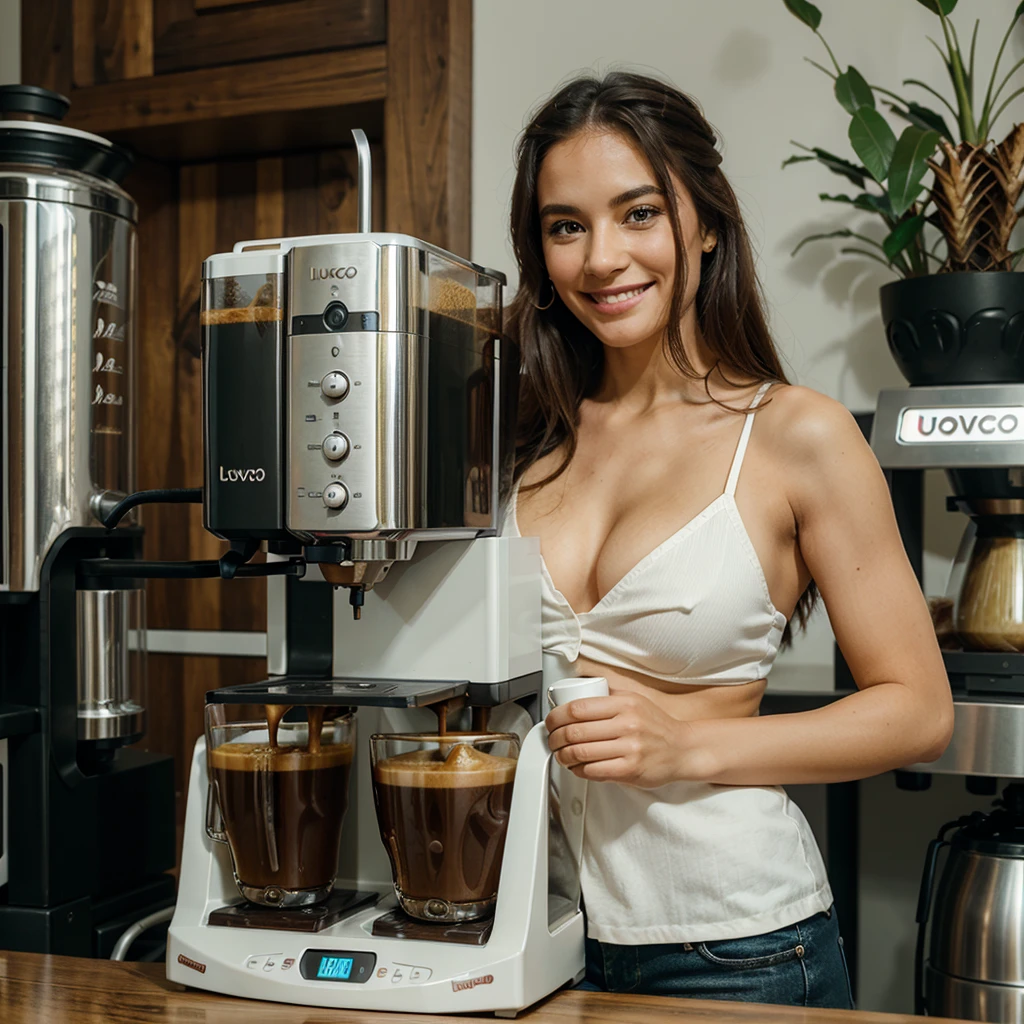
(627, 738)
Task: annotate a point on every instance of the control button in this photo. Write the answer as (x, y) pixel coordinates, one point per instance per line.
(288, 964)
(335, 315)
(335, 495)
(397, 977)
(334, 384)
(335, 447)
(418, 974)
(254, 963)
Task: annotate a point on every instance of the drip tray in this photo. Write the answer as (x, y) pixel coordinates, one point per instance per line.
(396, 924)
(340, 904)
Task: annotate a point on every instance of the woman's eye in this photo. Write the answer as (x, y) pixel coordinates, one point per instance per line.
(642, 214)
(565, 227)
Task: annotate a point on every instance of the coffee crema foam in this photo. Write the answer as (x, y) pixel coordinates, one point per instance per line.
(251, 757)
(463, 768)
(241, 315)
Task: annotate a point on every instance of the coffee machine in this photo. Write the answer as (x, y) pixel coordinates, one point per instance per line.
(359, 411)
(87, 822)
(970, 962)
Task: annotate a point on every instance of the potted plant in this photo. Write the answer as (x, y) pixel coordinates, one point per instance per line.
(957, 313)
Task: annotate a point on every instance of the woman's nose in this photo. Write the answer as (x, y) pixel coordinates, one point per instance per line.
(605, 252)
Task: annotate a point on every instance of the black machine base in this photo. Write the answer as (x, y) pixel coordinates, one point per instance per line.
(397, 924)
(83, 927)
(299, 691)
(340, 904)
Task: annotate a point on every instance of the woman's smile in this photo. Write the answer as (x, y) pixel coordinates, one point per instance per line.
(616, 301)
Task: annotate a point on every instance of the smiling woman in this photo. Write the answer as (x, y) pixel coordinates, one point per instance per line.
(688, 502)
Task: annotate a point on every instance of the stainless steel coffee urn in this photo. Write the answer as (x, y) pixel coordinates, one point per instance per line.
(72, 640)
(69, 260)
(975, 966)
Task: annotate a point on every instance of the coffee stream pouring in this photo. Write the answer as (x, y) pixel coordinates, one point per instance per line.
(359, 407)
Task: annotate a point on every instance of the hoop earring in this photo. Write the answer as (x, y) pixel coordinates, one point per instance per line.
(551, 303)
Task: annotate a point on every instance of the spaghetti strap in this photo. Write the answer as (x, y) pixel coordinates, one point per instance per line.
(741, 448)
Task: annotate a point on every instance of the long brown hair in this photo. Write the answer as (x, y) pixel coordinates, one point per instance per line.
(562, 360)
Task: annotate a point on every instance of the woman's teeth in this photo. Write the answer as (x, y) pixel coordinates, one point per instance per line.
(620, 296)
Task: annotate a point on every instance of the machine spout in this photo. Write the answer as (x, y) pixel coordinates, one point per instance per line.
(356, 596)
(365, 181)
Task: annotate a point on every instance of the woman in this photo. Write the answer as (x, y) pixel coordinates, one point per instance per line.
(690, 503)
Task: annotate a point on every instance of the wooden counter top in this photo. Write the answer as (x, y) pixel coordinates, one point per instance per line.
(37, 989)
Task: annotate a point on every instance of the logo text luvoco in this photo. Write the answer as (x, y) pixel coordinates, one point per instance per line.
(234, 476)
(323, 273)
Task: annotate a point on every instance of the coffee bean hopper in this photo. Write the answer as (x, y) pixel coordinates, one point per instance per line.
(359, 406)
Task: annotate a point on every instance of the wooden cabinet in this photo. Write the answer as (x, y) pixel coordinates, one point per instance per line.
(240, 115)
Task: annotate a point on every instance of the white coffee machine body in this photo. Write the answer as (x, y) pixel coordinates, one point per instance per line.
(537, 938)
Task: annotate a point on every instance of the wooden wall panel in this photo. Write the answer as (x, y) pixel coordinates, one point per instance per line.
(284, 85)
(46, 44)
(113, 40)
(427, 120)
(189, 37)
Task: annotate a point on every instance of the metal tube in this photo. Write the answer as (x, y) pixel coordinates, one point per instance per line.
(365, 181)
(125, 942)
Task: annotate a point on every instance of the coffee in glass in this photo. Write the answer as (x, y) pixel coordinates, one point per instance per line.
(280, 790)
(443, 804)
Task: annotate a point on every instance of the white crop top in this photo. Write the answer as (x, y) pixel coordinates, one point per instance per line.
(695, 610)
(689, 861)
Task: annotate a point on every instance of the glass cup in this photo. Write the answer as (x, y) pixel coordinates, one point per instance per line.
(443, 804)
(279, 802)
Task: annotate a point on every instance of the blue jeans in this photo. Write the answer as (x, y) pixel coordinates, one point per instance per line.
(801, 965)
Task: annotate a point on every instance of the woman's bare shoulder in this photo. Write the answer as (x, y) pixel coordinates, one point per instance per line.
(803, 424)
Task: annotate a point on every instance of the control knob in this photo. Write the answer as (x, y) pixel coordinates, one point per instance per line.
(335, 446)
(334, 384)
(336, 495)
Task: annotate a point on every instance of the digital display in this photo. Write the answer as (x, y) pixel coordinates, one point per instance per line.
(338, 968)
(345, 966)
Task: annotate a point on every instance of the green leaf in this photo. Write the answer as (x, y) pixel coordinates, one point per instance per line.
(853, 92)
(909, 166)
(1019, 12)
(806, 12)
(873, 141)
(923, 117)
(836, 164)
(939, 6)
(865, 201)
(903, 235)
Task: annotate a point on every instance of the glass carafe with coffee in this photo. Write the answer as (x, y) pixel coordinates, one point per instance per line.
(278, 792)
(443, 801)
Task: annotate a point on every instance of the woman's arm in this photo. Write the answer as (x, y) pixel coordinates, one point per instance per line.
(902, 712)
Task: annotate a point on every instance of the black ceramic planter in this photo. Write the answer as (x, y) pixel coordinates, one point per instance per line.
(963, 328)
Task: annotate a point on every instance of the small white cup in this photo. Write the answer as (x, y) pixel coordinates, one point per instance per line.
(565, 690)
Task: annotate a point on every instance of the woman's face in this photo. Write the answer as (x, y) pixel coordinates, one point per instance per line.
(608, 240)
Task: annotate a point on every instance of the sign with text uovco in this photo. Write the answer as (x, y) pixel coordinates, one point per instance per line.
(960, 424)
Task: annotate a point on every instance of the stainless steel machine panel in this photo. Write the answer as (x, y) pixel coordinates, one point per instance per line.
(393, 411)
(970, 426)
(373, 414)
(67, 315)
(111, 668)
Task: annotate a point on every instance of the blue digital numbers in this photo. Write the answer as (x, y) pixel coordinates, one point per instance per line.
(335, 967)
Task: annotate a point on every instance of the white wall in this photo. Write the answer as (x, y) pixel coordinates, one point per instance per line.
(743, 60)
(10, 41)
